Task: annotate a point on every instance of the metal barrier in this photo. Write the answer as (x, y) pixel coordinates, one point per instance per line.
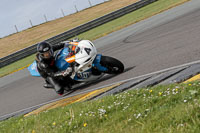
(75, 31)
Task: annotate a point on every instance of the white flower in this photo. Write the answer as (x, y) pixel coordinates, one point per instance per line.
(124, 97)
(192, 92)
(138, 116)
(125, 107)
(147, 109)
(185, 101)
(102, 111)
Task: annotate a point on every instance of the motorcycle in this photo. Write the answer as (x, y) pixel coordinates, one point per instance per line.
(89, 65)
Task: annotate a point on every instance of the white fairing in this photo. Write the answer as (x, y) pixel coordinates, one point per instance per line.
(87, 51)
(85, 58)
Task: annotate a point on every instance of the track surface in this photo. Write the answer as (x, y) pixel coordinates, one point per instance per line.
(165, 40)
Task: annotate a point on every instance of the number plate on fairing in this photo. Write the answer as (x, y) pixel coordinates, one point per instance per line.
(83, 75)
(86, 76)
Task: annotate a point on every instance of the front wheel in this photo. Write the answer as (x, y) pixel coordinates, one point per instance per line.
(113, 65)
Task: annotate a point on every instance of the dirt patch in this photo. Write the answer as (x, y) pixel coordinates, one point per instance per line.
(44, 31)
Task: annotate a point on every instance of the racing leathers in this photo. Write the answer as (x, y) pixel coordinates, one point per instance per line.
(47, 69)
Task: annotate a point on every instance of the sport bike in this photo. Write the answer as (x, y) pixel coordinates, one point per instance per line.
(89, 66)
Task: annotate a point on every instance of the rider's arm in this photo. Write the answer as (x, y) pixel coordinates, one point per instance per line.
(67, 72)
(58, 46)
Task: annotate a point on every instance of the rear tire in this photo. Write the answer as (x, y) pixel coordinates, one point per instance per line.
(113, 65)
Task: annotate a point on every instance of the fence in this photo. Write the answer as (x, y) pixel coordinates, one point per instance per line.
(43, 14)
(73, 32)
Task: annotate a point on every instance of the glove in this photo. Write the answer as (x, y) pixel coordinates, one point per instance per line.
(64, 73)
(68, 71)
(57, 74)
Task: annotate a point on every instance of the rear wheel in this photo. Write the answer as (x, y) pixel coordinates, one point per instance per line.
(113, 65)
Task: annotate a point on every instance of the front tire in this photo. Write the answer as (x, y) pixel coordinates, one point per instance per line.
(113, 65)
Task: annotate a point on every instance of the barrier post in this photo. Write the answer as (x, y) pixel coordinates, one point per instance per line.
(63, 13)
(31, 23)
(16, 28)
(45, 17)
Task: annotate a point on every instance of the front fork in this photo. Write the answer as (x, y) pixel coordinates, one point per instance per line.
(96, 64)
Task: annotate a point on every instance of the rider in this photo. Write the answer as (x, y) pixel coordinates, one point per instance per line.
(45, 59)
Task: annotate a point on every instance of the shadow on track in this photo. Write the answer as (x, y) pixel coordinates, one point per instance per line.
(104, 78)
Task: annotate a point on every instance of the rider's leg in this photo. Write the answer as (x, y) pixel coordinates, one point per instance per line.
(47, 84)
(45, 75)
(97, 64)
(58, 88)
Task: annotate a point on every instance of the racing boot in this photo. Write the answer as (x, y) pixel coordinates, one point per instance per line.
(58, 88)
(47, 85)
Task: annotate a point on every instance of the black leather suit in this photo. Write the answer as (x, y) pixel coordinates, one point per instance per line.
(47, 69)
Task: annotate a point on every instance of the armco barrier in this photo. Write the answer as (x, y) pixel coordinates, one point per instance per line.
(76, 31)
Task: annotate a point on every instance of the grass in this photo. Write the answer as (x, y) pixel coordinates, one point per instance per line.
(107, 28)
(170, 108)
(16, 66)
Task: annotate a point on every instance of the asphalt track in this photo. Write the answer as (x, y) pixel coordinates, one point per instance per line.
(162, 41)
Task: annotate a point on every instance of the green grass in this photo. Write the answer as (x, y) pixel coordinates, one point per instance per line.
(126, 20)
(18, 65)
(171, 108)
